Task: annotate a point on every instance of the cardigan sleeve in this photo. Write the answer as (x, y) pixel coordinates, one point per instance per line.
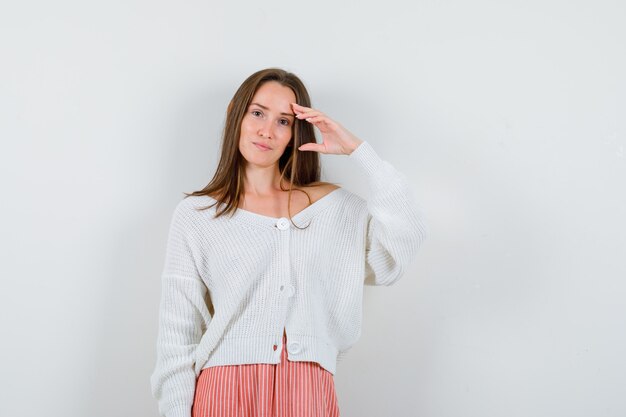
(396, 225)
(183, 312)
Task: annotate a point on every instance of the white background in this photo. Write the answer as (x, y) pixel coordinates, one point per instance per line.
(507, 116)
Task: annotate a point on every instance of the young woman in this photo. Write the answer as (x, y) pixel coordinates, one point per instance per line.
(262, 286)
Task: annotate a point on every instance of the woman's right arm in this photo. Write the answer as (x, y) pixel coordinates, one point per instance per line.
(182, 312)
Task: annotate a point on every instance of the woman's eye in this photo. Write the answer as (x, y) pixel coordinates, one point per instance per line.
(255, 111)
(286, 122)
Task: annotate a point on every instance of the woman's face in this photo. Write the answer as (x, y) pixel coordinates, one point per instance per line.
(267, 126)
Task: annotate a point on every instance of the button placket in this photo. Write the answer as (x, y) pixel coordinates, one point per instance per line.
(284, 225)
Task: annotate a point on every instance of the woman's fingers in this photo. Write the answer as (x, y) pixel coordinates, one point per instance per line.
(311, 115)
(307, 114)
(304, 110)
(296, 105)
(312, 146)
(315, 119)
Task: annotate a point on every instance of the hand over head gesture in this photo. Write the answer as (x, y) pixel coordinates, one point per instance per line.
(335, 138)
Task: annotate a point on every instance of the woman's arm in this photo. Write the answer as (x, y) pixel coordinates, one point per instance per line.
(396, 224)
(182, 312)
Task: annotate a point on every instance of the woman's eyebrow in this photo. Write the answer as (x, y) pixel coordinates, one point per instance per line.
(267, 108)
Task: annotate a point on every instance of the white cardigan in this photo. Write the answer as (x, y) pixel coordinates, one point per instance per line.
(261, 274)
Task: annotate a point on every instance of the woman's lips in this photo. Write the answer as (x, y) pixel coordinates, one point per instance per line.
(261, 147)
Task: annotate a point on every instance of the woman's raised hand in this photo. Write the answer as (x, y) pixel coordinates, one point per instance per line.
(335, 138)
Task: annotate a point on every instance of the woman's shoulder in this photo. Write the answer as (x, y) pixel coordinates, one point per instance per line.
(336, 196)
(317, 192)
(192, 204)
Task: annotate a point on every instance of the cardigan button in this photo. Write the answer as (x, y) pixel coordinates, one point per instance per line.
(294, 347)
(290, 291)
(283, 223)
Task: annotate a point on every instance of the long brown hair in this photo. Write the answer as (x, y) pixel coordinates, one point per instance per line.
(303, 167)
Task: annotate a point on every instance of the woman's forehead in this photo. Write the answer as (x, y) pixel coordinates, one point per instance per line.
(274, 96)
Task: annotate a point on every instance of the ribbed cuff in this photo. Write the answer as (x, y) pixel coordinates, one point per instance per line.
(366, 157)
(179, 411)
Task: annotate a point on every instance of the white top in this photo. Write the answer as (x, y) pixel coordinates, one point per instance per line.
(262, 274)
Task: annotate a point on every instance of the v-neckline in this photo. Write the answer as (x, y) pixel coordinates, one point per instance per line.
(305, 214)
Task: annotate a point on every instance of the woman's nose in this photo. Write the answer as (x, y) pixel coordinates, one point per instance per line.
(266, 130)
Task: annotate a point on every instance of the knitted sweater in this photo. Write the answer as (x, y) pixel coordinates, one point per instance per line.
(262, 275)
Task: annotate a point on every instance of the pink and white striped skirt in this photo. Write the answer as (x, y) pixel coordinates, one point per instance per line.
(287, 389)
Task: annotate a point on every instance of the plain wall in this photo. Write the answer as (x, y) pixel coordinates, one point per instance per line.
(507, 116)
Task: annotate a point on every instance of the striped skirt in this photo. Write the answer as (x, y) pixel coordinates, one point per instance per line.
(287, 389)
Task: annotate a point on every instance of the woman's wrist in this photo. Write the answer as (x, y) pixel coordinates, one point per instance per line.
(353, 146)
